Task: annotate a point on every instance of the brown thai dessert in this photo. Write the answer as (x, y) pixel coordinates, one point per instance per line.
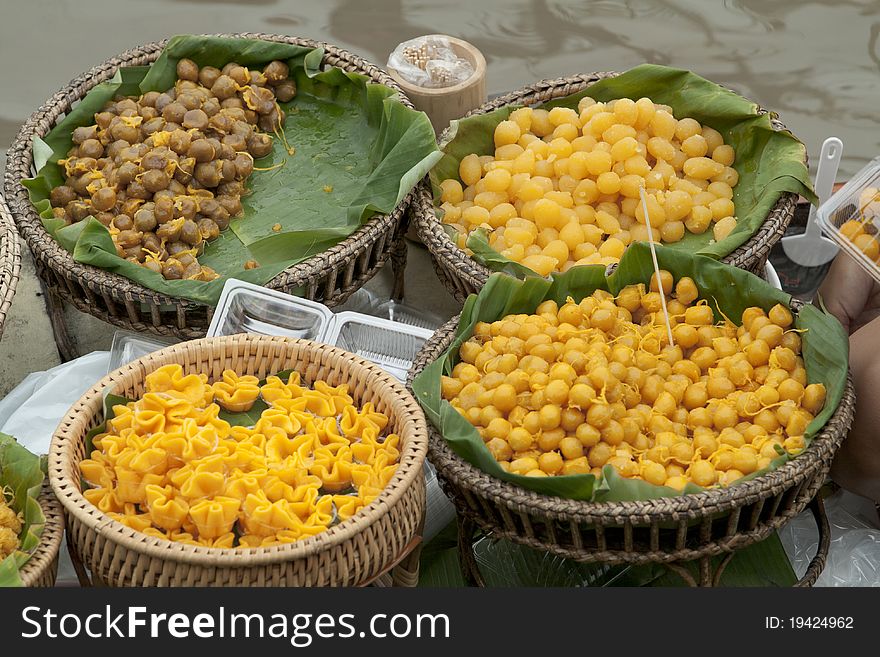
(166, 172)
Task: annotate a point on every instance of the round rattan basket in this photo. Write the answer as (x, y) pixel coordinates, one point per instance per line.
(10, 261)
(462, 275)
(329, 277)
(668, 530)
(42, 568)
(377, 545)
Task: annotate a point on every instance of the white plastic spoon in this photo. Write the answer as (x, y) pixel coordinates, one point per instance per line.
(810, 248)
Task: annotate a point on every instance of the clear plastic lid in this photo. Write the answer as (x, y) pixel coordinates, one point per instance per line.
(128, 346)
(851, 217)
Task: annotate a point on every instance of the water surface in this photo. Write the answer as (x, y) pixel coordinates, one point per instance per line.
(816, 63)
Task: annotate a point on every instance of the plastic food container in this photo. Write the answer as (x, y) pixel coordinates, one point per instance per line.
(851, 217)
(127, 347)
(247, 308)
(391, 345)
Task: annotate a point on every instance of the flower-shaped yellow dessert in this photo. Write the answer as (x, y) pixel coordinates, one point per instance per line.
(170, 464)
(236, 393)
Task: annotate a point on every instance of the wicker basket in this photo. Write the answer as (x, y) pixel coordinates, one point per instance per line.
(462, 275)
(668, 530)
(329, 277)
(10, 261)
(42, 568)
(358, 551)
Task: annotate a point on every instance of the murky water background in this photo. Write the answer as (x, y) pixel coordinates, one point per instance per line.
(816, 63)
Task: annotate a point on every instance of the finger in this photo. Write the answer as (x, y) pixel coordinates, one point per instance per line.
(856, 466)
(846, 289)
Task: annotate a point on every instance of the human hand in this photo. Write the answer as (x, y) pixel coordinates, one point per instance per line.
(850, 294)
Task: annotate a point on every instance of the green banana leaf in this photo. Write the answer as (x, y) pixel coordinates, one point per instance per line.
(507, 564)
(729, 291)
(769, 162)
(21, 477)
(351, 137)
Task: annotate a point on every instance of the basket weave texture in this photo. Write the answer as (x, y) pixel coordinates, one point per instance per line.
(42, 568)
(329, 277)
(10, 261)
(351, 553)
(461, 275)
(664, 530)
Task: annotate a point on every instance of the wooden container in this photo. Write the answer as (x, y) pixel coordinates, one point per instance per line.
(10, 261)
(42, 568)
(329, 277)
(444, 104)
(666, 530)
(461, 275)
(380, 545)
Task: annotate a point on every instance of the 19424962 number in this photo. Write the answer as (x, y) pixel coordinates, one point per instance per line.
(809, 622)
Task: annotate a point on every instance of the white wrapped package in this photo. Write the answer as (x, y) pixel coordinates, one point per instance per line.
(854, 553)
(429, 62)
(32, 410)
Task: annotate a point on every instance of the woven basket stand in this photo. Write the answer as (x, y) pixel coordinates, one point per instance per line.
(700, 527)
(10, 261)
(380, 545)
(329, 277)
(42, 567)
(461, 275)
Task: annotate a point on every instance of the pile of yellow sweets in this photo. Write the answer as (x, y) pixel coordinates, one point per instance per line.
(563, 186)
(169, 466)
(573, 388)
(861, 231)
(10, 527)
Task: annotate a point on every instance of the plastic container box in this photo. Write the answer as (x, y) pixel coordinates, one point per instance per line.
(389, 344)
(127, 347)
(246, 308)
(858, 200)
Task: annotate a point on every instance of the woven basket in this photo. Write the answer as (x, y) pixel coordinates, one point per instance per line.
(358, 551)
(10, 261)
(665, 530)
(462, 275)
(329, 277)
(42, 568)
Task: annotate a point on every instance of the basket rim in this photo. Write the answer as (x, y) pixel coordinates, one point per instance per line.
(409, 468)
(464, 475)
(432, 232)
(19, 163)
(10, 261)
(47, 550)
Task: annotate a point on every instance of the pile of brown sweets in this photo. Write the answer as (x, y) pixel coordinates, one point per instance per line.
(166, 172)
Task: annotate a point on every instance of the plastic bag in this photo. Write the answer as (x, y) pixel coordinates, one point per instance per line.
(32, 410)
(429, 62)
(854, 554)
(439, 511)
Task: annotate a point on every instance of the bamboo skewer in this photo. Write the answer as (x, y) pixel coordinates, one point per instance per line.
(656, 265)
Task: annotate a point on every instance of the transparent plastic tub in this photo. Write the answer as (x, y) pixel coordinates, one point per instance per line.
(851, 218)
(128, 346)
(366, 302)
(246, 308)
(391, 345)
